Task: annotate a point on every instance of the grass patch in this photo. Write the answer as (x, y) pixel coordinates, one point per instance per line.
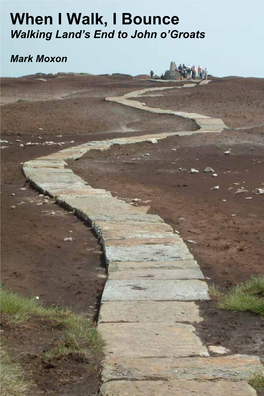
(20, 308)
(12, 377)
(78, 332)
(22, 101)
(257, 381)
(249, 296)
(79, 336)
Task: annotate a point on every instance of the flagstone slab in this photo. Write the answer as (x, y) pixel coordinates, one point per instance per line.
(169, 240)
(177, 388)
(133, 230)
(53, 188)
(150, 340)
(164, 265)
(233, 367)
(147, 253)
(149, 312)
(155, 290)
(127, 219)
(170, 274)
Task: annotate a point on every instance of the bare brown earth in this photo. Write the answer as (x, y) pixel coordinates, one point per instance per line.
(37, 262)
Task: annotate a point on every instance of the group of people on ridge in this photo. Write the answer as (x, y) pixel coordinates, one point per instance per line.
(192, 72)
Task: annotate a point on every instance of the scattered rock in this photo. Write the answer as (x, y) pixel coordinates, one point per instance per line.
(248, 198)
(194, 170)
(215, 188)
(218, 349)
(233, 215)
(190, 241)
(23, 188)
(240, 191)
(13, 194)
(21, 145)
(208, 170)
(136, 200)
(13, 207)
(228, 152)
(147, 155)
(259, 191)
(174, 149)
(153, 141)
(214, 174)
(69, 239)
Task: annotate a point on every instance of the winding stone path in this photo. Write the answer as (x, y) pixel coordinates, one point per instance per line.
(149, 311)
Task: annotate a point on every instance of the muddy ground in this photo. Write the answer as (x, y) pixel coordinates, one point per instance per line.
(227, 227)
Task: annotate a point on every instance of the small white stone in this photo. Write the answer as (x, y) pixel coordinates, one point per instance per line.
(13, 194)
(248, 198)
(146, 155)
(23, 188)
(259, 191)
(215, 188)
(208, 170)
(21, 145)
(214, 174)
(13, 207)
(224, 200)
(233, 215)
(153, 141)
(194, 170)
(174, 149)
(228, 152)
(37, 297)
(69, 239)
(240, 191)
(218, 349)
(190, 241)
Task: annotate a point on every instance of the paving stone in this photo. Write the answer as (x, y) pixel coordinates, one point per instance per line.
(158, 274)
(149, 312)
(155, 290)
(177, 388)
(53, 188)
(64, 195)
(170, 274)
(233, 367)
(150, 340)
(127, 219)
(147, 253)
(169, 240)
(109, 230)
(164, 265)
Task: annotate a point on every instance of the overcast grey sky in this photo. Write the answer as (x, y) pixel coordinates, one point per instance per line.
(233, 44)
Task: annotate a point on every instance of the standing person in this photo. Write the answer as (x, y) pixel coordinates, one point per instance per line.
(200, 69)
(151, 73)
(194, 72)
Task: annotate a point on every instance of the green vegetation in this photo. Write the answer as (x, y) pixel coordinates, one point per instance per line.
(22, 100)
(249, 296)
(257, 381)
(77, 335)
(12, 377)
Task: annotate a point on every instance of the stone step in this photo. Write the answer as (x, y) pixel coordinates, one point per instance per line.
(233, 367)
(148, 340)
(177, 388)
(155, 290)
(169, 312)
